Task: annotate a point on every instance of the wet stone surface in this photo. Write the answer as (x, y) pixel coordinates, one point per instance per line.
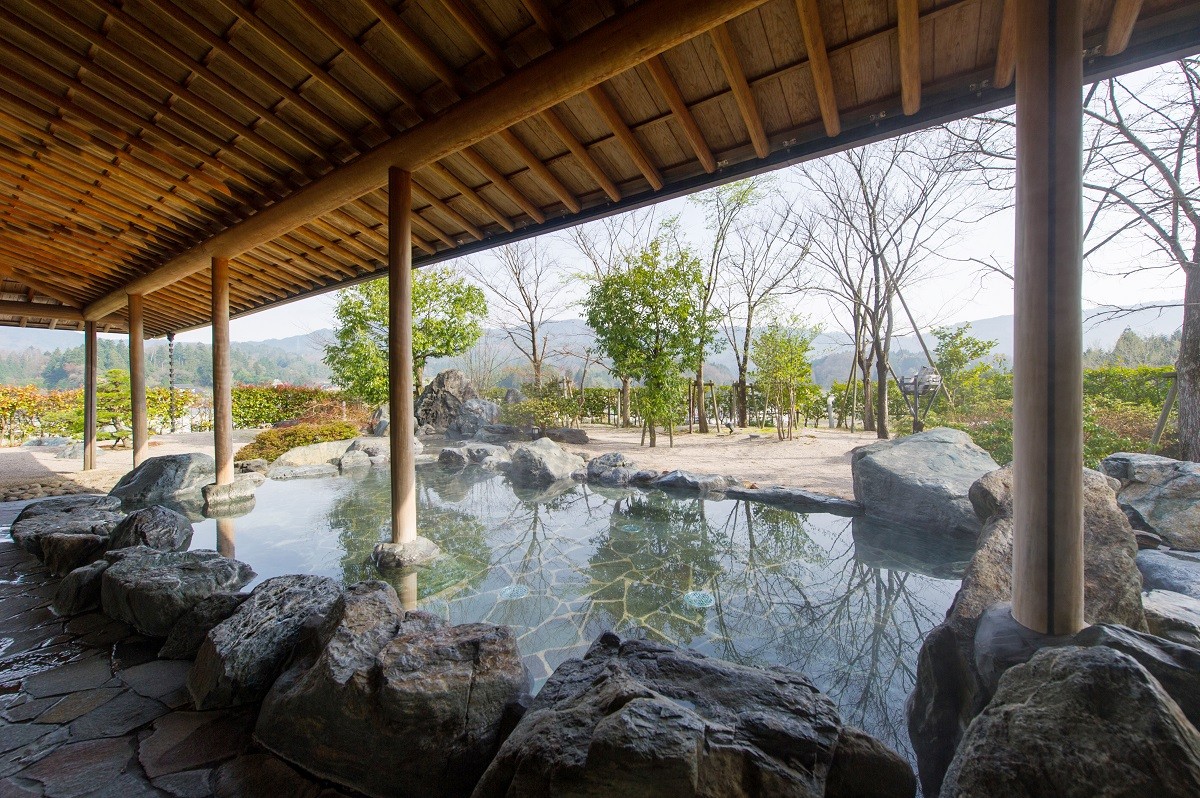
(88, 709)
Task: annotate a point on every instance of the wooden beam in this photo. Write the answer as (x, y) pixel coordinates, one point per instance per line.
(818, 64)
(137, 380)
(580, 151)
(493, 175)
(742, 93)
(1120, 25)
(89, 395)
(1006, 49)
(222, 373)
(40, 310)
(401, 426)
(540, 170)
(469, 194)
(683, 115)
(1047, 565)
(908, 28)
(620, 129)
(604, 51)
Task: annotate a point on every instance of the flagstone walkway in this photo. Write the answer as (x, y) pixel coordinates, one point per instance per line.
(87, 709)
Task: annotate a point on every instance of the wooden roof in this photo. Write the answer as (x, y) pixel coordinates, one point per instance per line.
(136, 135)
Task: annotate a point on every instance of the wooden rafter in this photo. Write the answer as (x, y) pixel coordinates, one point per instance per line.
(742, 93)
(1120, 25)
(679, 108)
(818, 64)
(1006, 49)
(908, 28)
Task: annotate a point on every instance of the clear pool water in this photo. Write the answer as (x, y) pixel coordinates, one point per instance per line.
(843, 601)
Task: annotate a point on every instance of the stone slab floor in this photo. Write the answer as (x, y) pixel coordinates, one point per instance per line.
(86, 708)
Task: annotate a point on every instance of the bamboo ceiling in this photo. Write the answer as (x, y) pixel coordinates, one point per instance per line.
(134, 131)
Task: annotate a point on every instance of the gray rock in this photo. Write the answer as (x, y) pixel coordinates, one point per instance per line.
(1159, 495)
(256, 466)
(47, 442)
(63, 553)
(1173, 616)
(575, 437)
(1177, 571)
(443, 398)
(354, 461)
(949, 691)
(434, 698)
(79, 591)
(314, 454)
(802, 501)
(221, 498)
(151, 591)
(473, 415)
(921, 481)
(67, 504)
(159, 480)
(380, 419)
(478, 451)
(418, 551)
(501, 434)
(541, 463)
(611, 468)
(92, 517)
(1077, 722)
(157, 527)
(453, 457)
(240, 658)
(512, 396)
(863, 767)
(190, 631)
(72, 451)
(635, 717)
(686, 480)
(303, 472)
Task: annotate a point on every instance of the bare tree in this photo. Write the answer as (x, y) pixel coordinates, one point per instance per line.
(526, 288)
(1141, 182)
(881, 214)
(483, 363)
(764, 262)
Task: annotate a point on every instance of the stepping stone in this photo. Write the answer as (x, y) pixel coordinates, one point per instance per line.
(79, 768)
(28, 710)
(161, 679)
(76, 704)
(117, 717)
(70, 678)
(188, 740)
(15, 735)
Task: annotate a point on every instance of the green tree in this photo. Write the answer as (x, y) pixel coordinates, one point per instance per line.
(781, 360)
(647, 320)
(448, 317)
(958, 357)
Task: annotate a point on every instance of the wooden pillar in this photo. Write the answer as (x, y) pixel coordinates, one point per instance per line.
(222, 375)
(400, 363)
(137, 380)
(89, 395)
(226, 538)
(1047, 367)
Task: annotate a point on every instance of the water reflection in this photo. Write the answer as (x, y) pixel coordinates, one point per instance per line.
(846, 604)
(226, 539)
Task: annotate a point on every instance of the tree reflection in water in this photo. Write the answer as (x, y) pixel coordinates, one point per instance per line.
(562, 565)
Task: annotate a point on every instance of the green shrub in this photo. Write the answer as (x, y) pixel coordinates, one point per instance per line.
(271, 443)
(263, 405)
(539, 413)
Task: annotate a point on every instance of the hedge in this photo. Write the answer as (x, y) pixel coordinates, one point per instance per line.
(264, 405)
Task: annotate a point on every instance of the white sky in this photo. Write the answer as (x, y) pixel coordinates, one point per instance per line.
(956, 292)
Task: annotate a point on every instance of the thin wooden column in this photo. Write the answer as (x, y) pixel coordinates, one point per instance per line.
(1047, 367)
(89, 395)
(226, 538)
(137, 379)
(401, 427)
(222, 375)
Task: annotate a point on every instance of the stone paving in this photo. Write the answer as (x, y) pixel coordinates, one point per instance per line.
(87, 709)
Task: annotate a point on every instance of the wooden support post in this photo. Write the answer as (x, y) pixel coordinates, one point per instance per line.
(222, 374)
(400, 363)
(1047, 370)
(137, 380)
(89, 395)
(226, 538)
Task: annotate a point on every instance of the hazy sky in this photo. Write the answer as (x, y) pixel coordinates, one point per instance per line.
(954, 291)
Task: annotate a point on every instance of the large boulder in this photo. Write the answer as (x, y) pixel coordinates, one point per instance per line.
(921, 481)
(95, 517)
(571, 435)
(394, 703)
(64, 552)
(1077, 722)
(317, 471)
(474, 415)
(328, 452)
(542, 462)
(949, 689)
(1159, 495)
(443, 398)
(151, 590)
(1173, 616)
(157, 527)
(79, 591)
(166, 479)
(192, 628)
(686, 480)
(638, 718)
(611, 468)
(1177, 571)
(240, 658)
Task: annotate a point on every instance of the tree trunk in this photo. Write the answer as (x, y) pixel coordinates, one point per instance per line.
(624, 402)
(1187, 369)
(653, 433)
(701, 414)
(868, 399)
(881, 406)
(419, 379)
(743, 403)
